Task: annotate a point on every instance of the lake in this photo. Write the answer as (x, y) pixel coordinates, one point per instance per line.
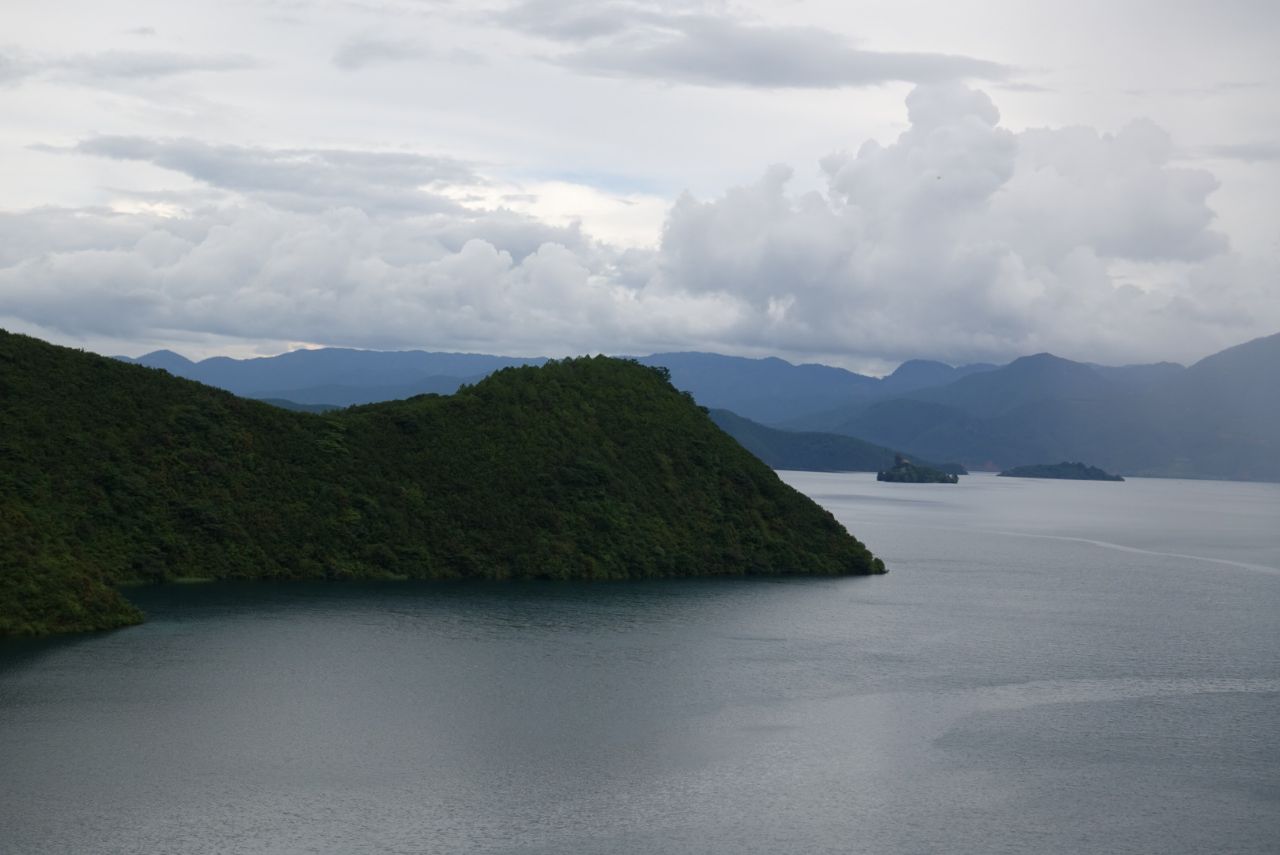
(1049, 667)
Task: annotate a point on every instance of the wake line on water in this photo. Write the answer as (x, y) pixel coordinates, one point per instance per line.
(1119, 547)
(1045, 692)
(1104, 544)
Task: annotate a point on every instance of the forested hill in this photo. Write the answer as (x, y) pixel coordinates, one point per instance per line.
(587, 468)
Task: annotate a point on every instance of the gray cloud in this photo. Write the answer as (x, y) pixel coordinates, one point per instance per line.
(966, 239)
(1250, 152)
(578, 21)
(14, 66)
(358, 53)
(142, 65)
(622, 39)
(959, 240)
(302, 179)
(117, 65)
(258, 272)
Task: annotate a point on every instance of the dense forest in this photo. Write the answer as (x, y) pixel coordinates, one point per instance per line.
(590, 468)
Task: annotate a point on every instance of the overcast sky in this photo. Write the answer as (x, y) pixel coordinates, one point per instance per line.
(852, 183)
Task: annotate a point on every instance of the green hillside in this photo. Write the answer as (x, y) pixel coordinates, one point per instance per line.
(588, 468)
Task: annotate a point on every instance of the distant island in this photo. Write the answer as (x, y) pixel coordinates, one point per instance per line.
(906, 472)
(591, 468)
(1064, 470)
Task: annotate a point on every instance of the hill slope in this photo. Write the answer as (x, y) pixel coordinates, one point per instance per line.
(1220, 418)
(803, 451)
(587, 468)
(810, 451)
(765, 390)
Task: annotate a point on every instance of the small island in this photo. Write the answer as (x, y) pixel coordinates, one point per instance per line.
(906, 472)
(1064, 470)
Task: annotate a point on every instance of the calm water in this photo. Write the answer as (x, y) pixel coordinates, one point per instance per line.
(1050, 667)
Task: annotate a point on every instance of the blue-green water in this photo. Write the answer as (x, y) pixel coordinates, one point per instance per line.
(1050, 667)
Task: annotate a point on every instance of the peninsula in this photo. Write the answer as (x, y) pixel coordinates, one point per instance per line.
(591, 468)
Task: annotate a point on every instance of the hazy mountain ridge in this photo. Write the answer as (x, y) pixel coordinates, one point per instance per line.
(1215, 419)
(1219, 418)
(811, 451)
(767, 390)
(586, 468)
(288, 374)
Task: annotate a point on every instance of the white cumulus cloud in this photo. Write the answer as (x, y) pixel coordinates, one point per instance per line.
(960, 240)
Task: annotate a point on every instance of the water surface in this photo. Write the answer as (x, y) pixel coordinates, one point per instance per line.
(1049, 667)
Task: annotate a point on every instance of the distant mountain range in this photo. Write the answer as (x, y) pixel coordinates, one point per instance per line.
(336, 376)
(769, 390)
(1215, 419)
(1219, 418)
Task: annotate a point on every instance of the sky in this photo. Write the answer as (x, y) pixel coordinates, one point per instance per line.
(840, 182)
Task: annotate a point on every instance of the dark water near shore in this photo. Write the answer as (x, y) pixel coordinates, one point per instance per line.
(1050, 667)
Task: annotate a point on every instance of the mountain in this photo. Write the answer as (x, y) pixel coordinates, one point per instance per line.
(398, 373)
(1035, 408)
(175, 363)
(1220, 418)
(764, 390)
(1213, 420)
(809, 451)
(586, 468)
(1027, 380)
(335, 395)
(925, 373)
(286, 404)
(1224, 412)
(776, 392)
(767, 390)
(1140, 376)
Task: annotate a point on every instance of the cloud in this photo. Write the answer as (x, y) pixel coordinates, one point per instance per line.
(115, 66)
(627, 40)
(1267, 151)
(358, 53)
(301, 179)
(965, 239)
(960, 240)
(336, 276)
(14, 67)
(147, 65)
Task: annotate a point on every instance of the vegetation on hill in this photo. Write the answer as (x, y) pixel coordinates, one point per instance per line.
(1064, 470)
(588, 468)
(808, 451)
(906, 472)
(285, 404)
